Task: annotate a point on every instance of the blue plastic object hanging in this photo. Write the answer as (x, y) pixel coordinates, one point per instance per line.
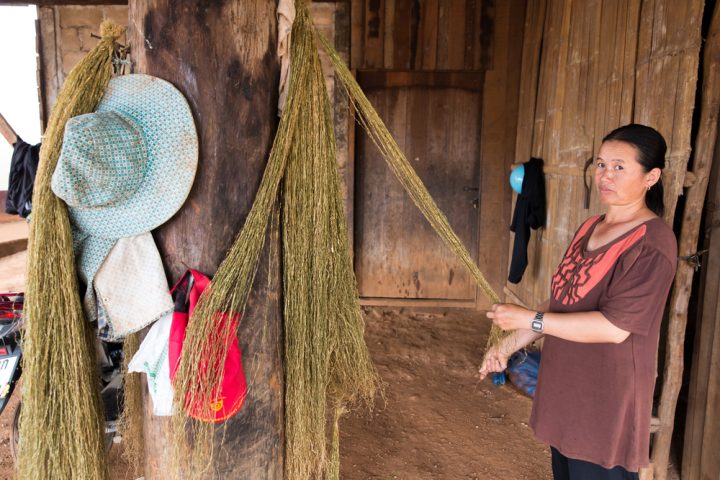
(516, 178)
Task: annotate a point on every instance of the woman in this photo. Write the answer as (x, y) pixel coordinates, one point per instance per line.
(602, 322)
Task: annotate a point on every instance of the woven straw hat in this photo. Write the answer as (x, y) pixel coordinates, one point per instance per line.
(129, 166)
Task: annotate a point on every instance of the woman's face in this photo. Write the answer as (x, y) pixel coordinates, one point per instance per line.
(619, 177)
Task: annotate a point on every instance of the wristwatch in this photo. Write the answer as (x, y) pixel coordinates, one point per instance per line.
(537, 323)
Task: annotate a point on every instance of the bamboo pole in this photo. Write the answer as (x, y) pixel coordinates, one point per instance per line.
(704, 149)
(7, 131)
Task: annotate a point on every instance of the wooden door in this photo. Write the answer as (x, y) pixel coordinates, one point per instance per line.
(435, 119)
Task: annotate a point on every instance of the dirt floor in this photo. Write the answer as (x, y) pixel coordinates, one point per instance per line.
(6, 461)
(12, 272)
(438, 421)
(12, 267)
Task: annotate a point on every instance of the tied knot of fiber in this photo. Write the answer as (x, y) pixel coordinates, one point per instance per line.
(109, 30)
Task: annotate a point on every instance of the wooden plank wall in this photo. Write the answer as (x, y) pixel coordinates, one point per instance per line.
(702, 436)
(332, 20)
(588, 67)
(410, 35)
(65, 35)
(667, 66)
(423, 42)
(497, 149)
(439, 131)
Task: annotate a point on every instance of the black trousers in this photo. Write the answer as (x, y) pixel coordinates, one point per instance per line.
(565, 468)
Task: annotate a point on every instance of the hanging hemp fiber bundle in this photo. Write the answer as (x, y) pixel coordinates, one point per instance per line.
(395, 158)
(327, 363)
(61, 423)
(326, 360)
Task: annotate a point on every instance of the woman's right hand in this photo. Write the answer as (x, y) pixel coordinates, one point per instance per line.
(495, 360)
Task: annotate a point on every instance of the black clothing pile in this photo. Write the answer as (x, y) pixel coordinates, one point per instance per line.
(23, 168)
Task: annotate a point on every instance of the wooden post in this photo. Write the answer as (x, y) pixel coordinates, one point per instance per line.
(702, 437)
(222, 56)
(692, 214)
(7, 131)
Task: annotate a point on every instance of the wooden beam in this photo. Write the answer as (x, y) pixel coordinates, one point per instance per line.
(692, 214)
(689, 180)
(357, 33)
(702, 439)
(512, 297)
(370, 79)
(343, 117)
(222, 56)
(7, 131)
(58, 3)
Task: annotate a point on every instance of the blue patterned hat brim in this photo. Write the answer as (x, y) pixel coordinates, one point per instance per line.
(165, 118)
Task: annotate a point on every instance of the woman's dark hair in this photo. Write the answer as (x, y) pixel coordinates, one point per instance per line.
(651, 149)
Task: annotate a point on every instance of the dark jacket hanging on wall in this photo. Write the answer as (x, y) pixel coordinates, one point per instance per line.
(23, 168)
(529, 213)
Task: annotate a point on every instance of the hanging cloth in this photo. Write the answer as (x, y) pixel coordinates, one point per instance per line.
(233, 387)
(152, 359)
(285, 17)
(529, 213)
(23, 168)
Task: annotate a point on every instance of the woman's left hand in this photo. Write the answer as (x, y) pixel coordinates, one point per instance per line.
(510, 317)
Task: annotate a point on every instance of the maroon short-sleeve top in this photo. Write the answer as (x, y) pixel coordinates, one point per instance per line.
(593, 401)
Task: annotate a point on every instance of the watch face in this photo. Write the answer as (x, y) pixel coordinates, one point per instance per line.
(537, 325)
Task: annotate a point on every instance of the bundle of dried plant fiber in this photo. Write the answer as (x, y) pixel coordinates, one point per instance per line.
(61, 424)
(130, 426)
(398, 163)
(327, 364)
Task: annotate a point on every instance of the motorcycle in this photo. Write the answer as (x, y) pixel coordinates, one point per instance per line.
(109, 356)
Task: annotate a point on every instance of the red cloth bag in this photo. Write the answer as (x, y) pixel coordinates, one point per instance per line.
(233, 388)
